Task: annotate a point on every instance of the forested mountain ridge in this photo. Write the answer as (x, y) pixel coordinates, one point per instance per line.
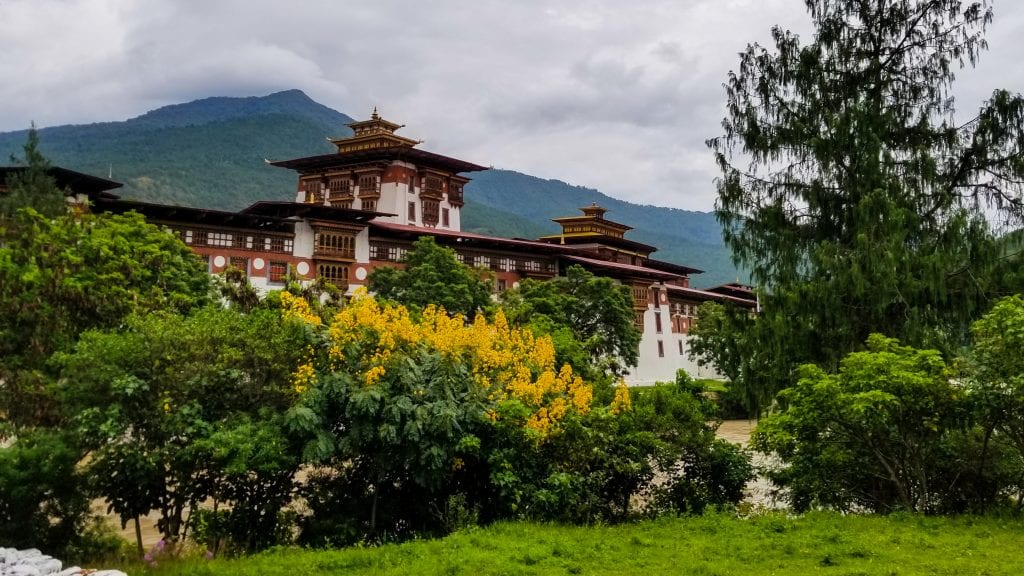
(210, 153)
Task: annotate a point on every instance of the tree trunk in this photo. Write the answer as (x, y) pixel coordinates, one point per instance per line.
(138, 537)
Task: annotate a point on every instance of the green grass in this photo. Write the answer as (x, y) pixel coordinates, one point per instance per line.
(820, 543)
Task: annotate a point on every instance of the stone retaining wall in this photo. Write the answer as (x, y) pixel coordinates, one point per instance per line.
(32, 562)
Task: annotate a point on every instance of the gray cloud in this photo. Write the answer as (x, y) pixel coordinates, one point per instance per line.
(596, 93)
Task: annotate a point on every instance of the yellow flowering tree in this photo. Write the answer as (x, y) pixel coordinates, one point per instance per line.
(367, 339)
(420, 420)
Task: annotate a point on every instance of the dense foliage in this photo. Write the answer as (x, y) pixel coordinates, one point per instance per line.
(177, 410)
(595, 312)
(896, 428)
(32, 187)
(123, 380)
(424, 422)
(849, 188)
(432, 274)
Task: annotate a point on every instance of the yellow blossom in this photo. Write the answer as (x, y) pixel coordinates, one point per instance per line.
(622, 401)
(508, 363)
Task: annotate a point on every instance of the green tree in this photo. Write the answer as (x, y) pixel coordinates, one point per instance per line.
(848, 187)
(60, 276)
(176, 410)
(33, 187)
(433, 275)
(888, 431)
(997, 365)
(596, 312)
(724, 336)
(43, 503)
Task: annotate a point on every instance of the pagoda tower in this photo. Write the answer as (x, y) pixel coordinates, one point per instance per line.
(376, 170)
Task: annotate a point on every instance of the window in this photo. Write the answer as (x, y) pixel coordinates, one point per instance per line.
(445, 221)
(433, 186)
(277, 271)
(369, 185)
(640, 296)
(370, 205)
(455, 193)
(241, 264)
(657, 322)
(218, 239)
(502, 285)
(661, 349)
(680, 347)
(336, 274)
(278, 244)
(188, 237)
(339, 187)
(336, 244)
(430, 211)
(412, 211)
(312, 189)
(482, 262)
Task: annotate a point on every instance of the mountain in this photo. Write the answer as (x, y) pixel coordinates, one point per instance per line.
(210, 153)
(518, 201)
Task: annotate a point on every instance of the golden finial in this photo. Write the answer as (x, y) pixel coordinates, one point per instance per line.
(374, 116)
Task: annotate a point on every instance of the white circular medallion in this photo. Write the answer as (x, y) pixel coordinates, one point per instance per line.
(218, 261)
(257, 264)
(302, 268)
(515, 285)
(360, 273)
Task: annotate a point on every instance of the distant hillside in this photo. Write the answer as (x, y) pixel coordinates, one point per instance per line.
(682, 236)
(210, 153)
(207, 153)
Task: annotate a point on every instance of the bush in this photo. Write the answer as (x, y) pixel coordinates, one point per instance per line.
(43, 503)
(890, 431)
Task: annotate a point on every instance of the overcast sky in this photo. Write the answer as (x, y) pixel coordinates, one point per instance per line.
(608, 94)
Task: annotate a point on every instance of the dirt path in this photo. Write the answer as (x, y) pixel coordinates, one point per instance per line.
(759, 491)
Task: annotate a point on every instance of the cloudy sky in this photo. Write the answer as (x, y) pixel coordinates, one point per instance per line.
(613, 95)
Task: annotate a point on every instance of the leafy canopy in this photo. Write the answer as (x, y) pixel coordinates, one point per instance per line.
(597, 312)
(433, 275)
(31, 187)
(848, 187)
(876, 435)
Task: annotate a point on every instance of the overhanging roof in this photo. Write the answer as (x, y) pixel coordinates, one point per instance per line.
(624, 269)
(185, 215)
(403, 153)
(706, 295)
(466, 239)
(77, 182)
(306, 210)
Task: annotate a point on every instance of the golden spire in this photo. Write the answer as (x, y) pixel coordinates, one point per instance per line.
(375, 115)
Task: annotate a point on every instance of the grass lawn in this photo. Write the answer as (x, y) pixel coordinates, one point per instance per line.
(819, 543)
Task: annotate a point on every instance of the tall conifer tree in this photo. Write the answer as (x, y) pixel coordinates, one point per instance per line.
(33, 187)
(851, 190)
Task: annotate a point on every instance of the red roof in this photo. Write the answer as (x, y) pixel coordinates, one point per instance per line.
(414, 155)
(466, 236)
(706, 295)
(624, 268)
